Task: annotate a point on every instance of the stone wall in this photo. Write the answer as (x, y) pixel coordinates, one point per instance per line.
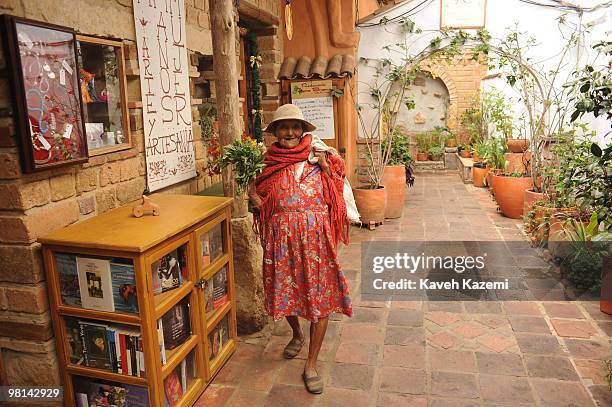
(35, 204)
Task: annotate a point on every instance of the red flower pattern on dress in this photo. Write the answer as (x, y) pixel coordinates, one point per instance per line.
(301, 273)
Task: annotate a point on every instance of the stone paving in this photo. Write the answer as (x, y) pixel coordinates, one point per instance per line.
(433, 353)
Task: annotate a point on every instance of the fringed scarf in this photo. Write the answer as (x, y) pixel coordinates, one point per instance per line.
(268, 186)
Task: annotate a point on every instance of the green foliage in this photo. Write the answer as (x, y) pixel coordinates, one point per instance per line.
(247, 157)
(436, 151)
(592, 90)
(400, 148)
(471, 120)
(608, 366)
(208, 114)
(480, 148)
(496, 110)
(494, 153)
(423, 142)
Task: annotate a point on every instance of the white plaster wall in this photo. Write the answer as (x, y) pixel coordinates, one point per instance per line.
(539, 22)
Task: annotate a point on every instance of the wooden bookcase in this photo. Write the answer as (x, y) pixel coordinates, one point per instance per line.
(186, 222)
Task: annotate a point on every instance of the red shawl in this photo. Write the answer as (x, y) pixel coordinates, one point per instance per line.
(268, 185)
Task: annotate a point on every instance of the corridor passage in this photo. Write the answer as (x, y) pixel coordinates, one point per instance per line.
(438, 353)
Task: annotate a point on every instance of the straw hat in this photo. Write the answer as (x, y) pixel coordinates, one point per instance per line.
(289, 112)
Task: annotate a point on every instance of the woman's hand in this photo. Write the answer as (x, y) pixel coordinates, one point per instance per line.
(254, 196)
(322, 160)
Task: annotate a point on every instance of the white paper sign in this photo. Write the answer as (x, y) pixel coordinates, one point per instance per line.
(463, 13)
(63, 77)
(66, 66)
(68, 130)
(164, 85)
(320, 112)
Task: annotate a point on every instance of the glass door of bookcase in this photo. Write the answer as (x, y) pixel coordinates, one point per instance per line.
(215, 283)
(172, 272)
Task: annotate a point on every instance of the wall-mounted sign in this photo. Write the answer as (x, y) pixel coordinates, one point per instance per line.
(164, 85)
(463, 13)
(317, 104)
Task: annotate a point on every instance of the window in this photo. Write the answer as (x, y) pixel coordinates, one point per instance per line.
(103, 91)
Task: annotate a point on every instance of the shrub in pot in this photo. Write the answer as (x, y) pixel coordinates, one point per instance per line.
(464, 151)
(451, 139)
(423, 144)
(398, 173)
(436, 153)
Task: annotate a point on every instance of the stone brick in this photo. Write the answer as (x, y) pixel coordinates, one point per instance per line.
(9, 166)
(400, 380)
(87, 180)
(27, 346)
(35, 327)
(552, 367)
(21, 264)
(591, 369)
(110, 174)
(8, 4)
(87, 204)
(130, 191)
(529, 324)
(95, 161)
(538, 344)
(204, 20)
(62, 187)
(588, 349)
(443, 340)
(27, 369)
(556, 310)
(13, 229)
(30, 299)
(24, 196)
(505, 388)
(408, 356)
(454, 385)
(106, 200)
(496, 342)
(574, 329)
(452, 361)
(442, 318)
(41, 221)
(128, 169)
(555, 393)
(359, 353)
(500, 364)
(136, 123)
(469, 330)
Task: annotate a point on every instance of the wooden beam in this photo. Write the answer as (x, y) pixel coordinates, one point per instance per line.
(224, 40)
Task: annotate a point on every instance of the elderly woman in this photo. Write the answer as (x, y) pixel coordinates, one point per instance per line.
(302, 216)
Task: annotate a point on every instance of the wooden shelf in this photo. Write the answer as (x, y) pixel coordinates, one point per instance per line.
(116, 317)
(176, 355)
(105, 374)
(145, 241)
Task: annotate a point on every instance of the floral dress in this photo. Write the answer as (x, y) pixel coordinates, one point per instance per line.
(301, 273)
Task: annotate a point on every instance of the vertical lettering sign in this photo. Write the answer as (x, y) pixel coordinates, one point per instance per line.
(164, 84)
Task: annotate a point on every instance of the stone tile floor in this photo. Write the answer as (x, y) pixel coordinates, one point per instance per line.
(428, 353)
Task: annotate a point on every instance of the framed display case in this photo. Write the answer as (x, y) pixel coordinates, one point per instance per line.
(104, 94)
(129, 314)
(44, 78)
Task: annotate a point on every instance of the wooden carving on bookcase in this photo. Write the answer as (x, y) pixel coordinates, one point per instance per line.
(143, 309)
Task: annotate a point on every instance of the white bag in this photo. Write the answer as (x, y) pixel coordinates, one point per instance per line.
(351, 207)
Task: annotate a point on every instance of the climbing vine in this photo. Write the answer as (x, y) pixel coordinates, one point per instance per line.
(254, 62)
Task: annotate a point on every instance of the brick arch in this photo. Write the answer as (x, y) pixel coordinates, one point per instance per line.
(440, 72)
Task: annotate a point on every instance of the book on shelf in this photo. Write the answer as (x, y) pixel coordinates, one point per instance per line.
(182, 260)
(112, 347)
(218, 338)
(95, 283)
(208, 296)
(160, 339)
(205, 249)
(174, 391)
(75, 343)
(123, 279)
(184, 374)
(220, 288)
(97, 393)
(215, 236)
(175, 325)
(66, 266)
(166, 273)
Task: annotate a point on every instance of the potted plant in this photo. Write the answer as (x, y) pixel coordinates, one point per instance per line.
(436, 153)
(479, 174)
(464, 150)
(398, 173)
(450, 140)
(423, 144)
(509, 190)
(478, 151)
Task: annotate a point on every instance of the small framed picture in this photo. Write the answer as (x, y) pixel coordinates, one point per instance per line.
(44, 75)
(457, 14)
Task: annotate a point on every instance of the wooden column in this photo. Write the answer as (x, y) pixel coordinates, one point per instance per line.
(225, 65)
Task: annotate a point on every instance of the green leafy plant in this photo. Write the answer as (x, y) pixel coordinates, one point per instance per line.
(436, 151)
(208, 114)
(471, 120)
(400, 148)
(247, 157)
(496, 110)
(608, 366)
(494, 149)
(423, 142)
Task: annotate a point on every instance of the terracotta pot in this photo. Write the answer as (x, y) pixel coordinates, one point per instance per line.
(510, 194)
(476, 157)
(394, 181)
(422, 157)
(518, 145)
(478, 176)
(489, 177)
(465, 154)
(450, 143)
(435, 157)
(371, 204)
(530, 198)
(605, 303)
(517, 162)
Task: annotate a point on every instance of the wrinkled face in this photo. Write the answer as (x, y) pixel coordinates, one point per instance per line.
(288, 133)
